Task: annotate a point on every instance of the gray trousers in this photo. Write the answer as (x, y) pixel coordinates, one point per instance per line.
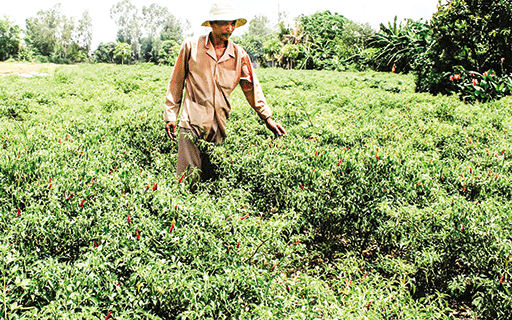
(192, 161)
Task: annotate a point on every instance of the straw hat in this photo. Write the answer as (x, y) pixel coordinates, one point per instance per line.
(224, 12)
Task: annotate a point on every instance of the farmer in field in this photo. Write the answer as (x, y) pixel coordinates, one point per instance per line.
(211, 67)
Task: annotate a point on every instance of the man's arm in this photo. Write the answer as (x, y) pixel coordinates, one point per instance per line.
(254, 95)
(175, 92)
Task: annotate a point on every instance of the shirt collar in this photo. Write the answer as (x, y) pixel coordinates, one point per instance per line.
(230, 50)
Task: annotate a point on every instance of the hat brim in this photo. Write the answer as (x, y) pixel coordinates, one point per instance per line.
(239, 21)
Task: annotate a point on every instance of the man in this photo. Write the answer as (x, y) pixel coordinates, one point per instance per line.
(211, 66)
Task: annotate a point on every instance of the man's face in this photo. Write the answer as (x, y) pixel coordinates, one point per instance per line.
(222, 30)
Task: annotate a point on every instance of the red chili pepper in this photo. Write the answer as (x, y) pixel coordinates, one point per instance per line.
(501, 280)
(115, 167)
(60, 141)
(301, 186)
(155, 187)
(377, 157)
(288, 288)
(50, 186)
(340, 162)
(172, 227)
(108, 315)
(129, 220)
(138, 236)
(368, 305)
(273, 267)
(95, 244)
(181, 179)
(82, 203)
(244, 217)
(19, 213)
(238, 244)
(227, 218)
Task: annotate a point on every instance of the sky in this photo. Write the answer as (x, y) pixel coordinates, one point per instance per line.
(373, 12)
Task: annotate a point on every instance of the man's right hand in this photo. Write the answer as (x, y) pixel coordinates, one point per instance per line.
(170, 129)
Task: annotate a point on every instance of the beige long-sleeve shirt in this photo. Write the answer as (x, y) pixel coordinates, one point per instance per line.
(209, 83)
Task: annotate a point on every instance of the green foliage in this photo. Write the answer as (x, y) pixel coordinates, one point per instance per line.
(321, 35)
(147, 32)
(105, 52)
(400, 46)
(9, 39)
(381, 202)
(122, 51)
(472, 34)
(259, 26)
(253, 41)
(57, 37)
(169, 52)
(253, 45)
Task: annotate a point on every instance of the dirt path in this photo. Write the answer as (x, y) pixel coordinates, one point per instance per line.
(26, 67)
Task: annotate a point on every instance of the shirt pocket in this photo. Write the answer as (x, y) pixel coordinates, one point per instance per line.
(227, 76)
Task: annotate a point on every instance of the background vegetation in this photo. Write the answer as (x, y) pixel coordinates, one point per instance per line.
(465, 39)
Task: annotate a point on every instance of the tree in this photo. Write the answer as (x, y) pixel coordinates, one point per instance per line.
(320, 36)
(9, 39)
(259, 26)
(272, 49)
(83, 32)
(174, 29)
(44, 31)
(125, 16)
(399, 46)
(169, 52)
(153, 19)
(252, 41)
(122, 51)
(474, 35)
(105, 52)
(58, 37)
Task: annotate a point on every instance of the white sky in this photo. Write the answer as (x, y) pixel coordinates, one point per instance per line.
(373, 12)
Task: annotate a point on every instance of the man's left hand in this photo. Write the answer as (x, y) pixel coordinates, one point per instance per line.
(275, 127)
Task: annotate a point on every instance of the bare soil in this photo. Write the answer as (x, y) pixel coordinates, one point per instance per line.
(26, 67)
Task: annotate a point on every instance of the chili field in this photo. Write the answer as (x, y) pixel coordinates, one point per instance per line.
(381, 203)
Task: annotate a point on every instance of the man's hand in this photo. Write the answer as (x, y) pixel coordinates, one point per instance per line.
(170, 129)
(275, 127)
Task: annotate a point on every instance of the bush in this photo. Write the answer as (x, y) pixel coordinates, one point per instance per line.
(475, 86)
(169, 52)
(399, 46)
(472, 34)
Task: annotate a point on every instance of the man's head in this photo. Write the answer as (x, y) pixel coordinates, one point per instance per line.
(224, 13)
(222, 30)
